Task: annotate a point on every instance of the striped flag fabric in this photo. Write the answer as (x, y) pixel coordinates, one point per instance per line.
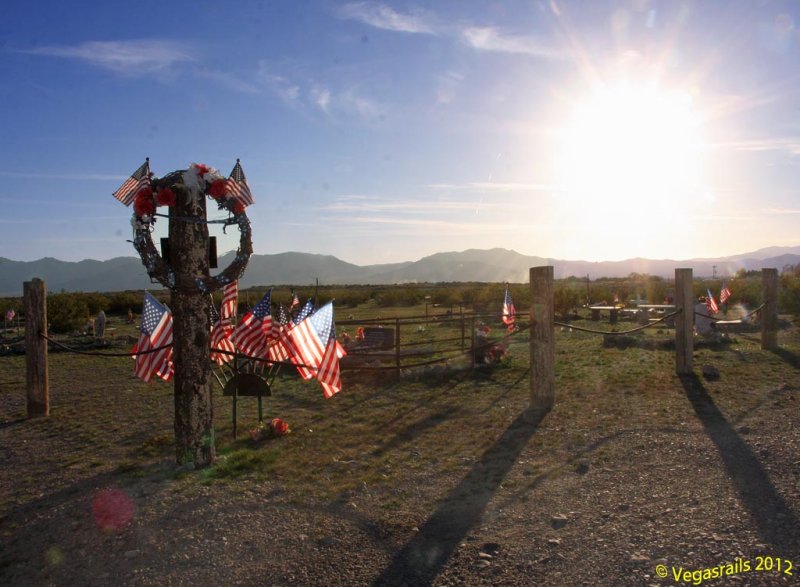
(295, 302)
(126, 193)
(711, 303)
(156, 332)
(277, 349)
(254, 332)
(328, 373)
(296, 355)
(724, 294)
(222, 324)
(509, 312)
(237, 186)
(313, 344)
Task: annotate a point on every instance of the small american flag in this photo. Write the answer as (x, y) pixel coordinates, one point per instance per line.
(139, 179)
(304, 312)
(509, 313)
(724, 294)
(237, 186)
(328, 372)
(255, 330)
(222, 325)
(313, 345)
(156, 332)
(711, 303)
(277, 349)
(295, 301)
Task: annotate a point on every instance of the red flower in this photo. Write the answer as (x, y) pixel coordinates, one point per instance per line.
(202, 169)
(238, 207)
(166, 197)
(279, 427)
(218, 189)
(144, 204)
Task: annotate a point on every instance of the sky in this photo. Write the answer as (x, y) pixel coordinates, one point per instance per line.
(382, 132)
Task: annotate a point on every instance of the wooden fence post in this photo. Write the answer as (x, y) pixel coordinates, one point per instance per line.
(769, 314)
(543, 373)
(194, 409)
(684, 322)
(35, 302)
(397, 346)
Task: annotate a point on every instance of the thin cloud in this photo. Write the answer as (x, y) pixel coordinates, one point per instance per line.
(65, 176)
(491, 186)
(138, 57)
(789, 145)
(383, 17)
(409, 207)
(487, 38)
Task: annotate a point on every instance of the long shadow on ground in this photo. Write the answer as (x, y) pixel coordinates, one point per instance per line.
(422, 558)
(788, 356)
(777, 523)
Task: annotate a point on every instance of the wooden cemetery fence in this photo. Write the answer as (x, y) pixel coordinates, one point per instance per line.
(398, 344)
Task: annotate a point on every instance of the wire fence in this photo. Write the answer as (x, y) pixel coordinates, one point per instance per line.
(396, 344)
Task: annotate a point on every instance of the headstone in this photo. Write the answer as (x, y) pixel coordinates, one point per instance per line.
(100, 324)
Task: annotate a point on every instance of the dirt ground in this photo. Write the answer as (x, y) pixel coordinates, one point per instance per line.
(691, 491)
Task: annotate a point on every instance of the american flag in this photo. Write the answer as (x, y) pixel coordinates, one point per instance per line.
(314, 346)
(156, 332)
(296, 356)
(305, 312)
(237, 186)
(328, 373)
(724, 294)
(509, 313)
(139, 179)
(222, 324)
(711, 303)
(255, 330)
(277, 349)
(295, 302)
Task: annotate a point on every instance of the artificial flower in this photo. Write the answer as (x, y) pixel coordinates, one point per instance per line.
(238, 207)
(279, 427)
(166, 197)
(218, 189)
(144, 204)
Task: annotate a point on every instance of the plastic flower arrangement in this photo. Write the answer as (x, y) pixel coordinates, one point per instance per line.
(275, 428)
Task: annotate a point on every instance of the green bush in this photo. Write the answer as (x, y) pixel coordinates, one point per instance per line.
(67, 312)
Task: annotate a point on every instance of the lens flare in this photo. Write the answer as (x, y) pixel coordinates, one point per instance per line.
(112, 510)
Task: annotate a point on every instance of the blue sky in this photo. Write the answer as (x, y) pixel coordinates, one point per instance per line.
(386, 131)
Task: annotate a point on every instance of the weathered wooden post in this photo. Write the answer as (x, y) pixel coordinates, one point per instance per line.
(769, 313)
(543, 356)
(684, 322)
(397, 347)
(35, 302)
(186, 273)
(194, 414)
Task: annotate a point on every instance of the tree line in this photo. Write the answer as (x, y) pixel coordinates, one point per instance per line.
(69, 311)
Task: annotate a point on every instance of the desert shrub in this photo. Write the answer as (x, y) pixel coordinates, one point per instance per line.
(789, 292)
(67, 312)
(122, 301)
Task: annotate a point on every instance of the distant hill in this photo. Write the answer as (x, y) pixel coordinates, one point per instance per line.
(492, 265)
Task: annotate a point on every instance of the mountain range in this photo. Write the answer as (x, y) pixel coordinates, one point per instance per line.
(492, 265)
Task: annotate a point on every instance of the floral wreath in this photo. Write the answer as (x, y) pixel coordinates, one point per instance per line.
(190, 184)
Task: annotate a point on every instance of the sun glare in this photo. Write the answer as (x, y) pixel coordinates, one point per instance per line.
(630, 154)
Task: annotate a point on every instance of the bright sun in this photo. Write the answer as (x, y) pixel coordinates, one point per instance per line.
(630, 153)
